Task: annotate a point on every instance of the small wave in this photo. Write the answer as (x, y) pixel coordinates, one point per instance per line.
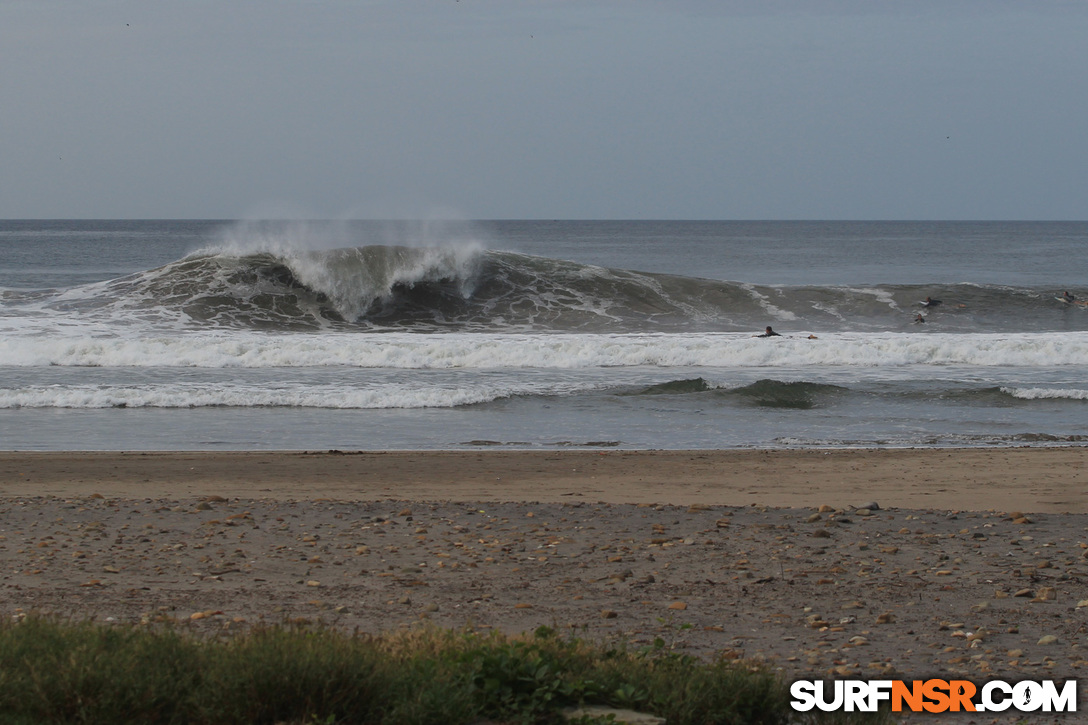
(1046, 393)
(934, 441)
(800, 395)
(676, 387)
(242, 396)
(1047, 438)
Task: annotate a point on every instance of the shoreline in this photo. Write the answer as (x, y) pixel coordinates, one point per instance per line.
(1051, 480)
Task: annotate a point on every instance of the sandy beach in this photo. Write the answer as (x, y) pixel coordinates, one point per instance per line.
(1048, 480)
(970, 563)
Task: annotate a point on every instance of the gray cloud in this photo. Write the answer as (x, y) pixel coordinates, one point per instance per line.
(544, 109)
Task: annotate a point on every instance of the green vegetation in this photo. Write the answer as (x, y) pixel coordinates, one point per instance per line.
(62, 672)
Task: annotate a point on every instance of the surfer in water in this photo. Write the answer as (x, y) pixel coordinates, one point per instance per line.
(918, 319)
(769, 333)
(930, 302)
(1068, 297)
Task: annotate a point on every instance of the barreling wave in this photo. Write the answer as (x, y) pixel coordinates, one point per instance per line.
(468, 288)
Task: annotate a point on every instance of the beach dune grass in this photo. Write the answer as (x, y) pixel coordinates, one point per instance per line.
(54, 671)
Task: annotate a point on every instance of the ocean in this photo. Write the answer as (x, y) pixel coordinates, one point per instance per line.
(367, 335)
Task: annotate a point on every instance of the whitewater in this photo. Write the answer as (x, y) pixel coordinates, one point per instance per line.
(488, 351)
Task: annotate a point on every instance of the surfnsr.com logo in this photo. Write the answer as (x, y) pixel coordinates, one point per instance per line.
(934, 695)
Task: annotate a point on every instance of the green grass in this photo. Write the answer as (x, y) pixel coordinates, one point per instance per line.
(54, 671)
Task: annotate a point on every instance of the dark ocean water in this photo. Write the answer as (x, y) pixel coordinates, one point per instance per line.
(205, 334)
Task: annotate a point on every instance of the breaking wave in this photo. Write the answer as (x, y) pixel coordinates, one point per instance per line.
(465, 287)
(1046, 393)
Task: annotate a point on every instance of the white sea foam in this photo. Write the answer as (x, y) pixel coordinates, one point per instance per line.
(573, 351)
(192, 395)
(880, 295)
(770, 308)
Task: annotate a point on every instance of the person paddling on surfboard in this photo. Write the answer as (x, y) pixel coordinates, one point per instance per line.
(769, 333)
(1068, 297)
(930, 302)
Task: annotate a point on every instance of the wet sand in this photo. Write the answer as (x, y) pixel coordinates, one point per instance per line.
(971, 563)
(1028, 479)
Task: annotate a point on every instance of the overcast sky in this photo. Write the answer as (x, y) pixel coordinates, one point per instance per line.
(486, 109)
